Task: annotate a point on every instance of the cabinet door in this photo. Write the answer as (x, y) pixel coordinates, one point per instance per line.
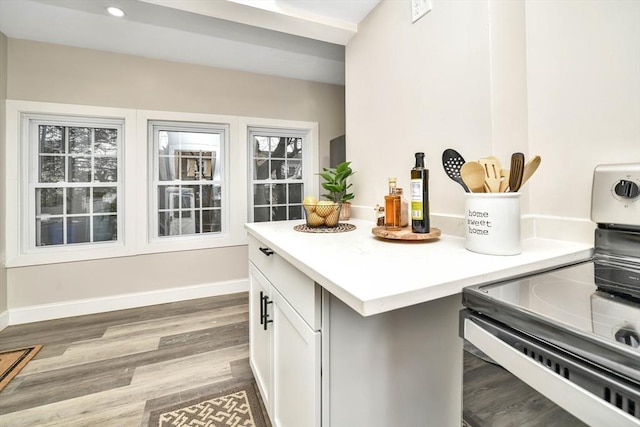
(260, 339)
(296, 368)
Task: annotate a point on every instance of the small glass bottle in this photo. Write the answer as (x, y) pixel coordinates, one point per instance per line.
(392, 207)
(379, 210)
(404, 210)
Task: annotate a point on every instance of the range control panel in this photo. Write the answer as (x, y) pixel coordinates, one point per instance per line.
(615, 197)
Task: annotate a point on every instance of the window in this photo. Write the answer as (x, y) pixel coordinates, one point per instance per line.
(277, 174)
(74, 180)
(187, 184)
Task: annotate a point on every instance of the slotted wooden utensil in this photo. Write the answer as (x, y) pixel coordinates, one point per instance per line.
(530, 168)
(473, 174)
(491, 167)
(516, 172)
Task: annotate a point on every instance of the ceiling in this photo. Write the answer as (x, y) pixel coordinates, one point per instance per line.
(301, 39)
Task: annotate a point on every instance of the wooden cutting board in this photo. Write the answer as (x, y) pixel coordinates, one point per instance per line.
(405, 234)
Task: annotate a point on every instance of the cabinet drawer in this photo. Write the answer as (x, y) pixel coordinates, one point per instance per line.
(302, 293)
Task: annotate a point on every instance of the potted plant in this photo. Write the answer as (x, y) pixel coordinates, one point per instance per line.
(335, 182)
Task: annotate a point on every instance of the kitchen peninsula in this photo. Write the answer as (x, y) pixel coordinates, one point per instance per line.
(351, 330)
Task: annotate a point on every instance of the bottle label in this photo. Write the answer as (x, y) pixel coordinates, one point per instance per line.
(416, 199)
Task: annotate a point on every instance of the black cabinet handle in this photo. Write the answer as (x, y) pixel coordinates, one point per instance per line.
(265, 303)
(266, 251)
(261, 307)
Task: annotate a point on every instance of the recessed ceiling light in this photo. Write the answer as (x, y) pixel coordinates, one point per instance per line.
(115, 11)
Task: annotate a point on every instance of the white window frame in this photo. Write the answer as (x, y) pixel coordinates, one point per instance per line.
(20, 206)
(310, 154)
(222, 160)
(31, 122)
(232, 172)
(305, 179)
(135, 205)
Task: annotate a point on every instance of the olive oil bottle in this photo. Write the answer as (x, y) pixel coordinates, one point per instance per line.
(420, 197)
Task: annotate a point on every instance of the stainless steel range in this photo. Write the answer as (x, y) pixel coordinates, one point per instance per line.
(573, 333)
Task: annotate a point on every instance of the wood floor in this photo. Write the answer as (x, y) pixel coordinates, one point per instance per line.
(112, 369)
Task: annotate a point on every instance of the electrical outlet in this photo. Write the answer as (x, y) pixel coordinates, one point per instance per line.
(419, 8)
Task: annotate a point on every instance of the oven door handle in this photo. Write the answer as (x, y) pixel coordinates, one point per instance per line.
(583, 405)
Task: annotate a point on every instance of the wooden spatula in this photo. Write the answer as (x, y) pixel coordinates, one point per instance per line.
(530, 168)
(492, 173)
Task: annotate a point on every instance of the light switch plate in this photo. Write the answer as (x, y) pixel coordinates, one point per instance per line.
(419, 8)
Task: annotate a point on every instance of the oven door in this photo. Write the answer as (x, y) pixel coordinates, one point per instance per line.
(592, 395)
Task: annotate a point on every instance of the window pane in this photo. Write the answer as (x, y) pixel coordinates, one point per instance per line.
(80, 140)
(190, 161)
(295, 193)
(80, 169)
(51, 139)
(279, 213)
(293, 169)
(261, 194)
(164, 219)
(49, 232)
(167, 168)
(78, 229)
(105, 228)
(49, 201)
(294, 148)
(295, 212)
(277, 174)
(211, 222)
(78, 200)
(262, 214)
(279, 194)
(106, 169)
(106, 142)
(105, 199)
(206, 199)
(75, 156)
(51, 169)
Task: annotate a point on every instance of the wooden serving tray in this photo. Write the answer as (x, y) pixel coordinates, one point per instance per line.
(405, 234)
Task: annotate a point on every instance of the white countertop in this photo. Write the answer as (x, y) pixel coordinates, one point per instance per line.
(374, 276)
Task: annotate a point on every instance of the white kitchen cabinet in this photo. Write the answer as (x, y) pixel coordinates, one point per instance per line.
(285, 348)
(260, 348)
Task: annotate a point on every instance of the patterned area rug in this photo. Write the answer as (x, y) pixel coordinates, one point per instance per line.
(236, 407)
(12, 362)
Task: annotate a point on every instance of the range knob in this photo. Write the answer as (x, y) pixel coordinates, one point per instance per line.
(627, 189)
(628, 337)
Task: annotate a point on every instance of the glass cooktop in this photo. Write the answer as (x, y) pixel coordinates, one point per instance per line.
(566, 308)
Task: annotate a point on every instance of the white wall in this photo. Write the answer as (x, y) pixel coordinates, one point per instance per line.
(556, 78)
(583, 63)
(4, 317)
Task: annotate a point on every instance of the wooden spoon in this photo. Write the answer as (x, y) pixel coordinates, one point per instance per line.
(473, 174)
(517, 170)
(530, 168)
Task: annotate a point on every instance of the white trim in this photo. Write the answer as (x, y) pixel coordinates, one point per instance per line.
(311, 154)
(14, 221)
(36, 313)
(4, 319)
(233, 219)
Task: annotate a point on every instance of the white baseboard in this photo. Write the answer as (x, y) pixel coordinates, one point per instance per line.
(37, 313)
(4, 319)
